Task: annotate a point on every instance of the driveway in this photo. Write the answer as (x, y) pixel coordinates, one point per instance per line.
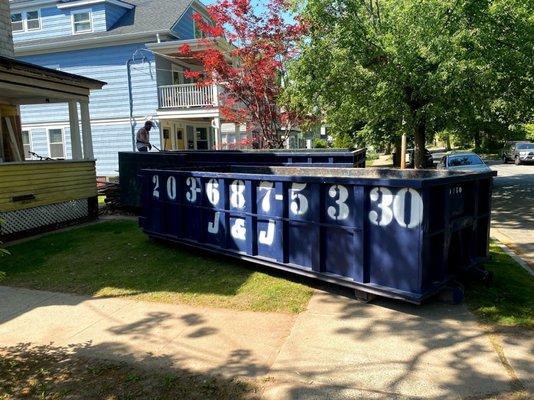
(513, 208)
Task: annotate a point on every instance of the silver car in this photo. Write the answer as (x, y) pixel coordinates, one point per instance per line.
(463, 161)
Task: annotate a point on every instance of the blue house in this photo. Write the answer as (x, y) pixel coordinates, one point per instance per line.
(133, 45)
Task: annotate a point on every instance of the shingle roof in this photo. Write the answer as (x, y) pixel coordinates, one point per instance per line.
(148, 16)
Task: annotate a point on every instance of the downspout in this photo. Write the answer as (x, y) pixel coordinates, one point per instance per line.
(130, 93)
(130, 101)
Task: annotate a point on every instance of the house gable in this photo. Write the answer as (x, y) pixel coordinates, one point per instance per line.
(185, 26)
(56, 19)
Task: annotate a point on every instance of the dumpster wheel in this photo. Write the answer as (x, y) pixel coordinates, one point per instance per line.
(453, 293)
(364, 296)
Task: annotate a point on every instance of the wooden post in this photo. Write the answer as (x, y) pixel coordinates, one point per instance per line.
(87, 137)
(403, 152)
(75, 142)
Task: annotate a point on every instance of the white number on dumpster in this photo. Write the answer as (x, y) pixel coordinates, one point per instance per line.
(393, 206)
(194, 190)
(171, 187)
(342, 211)
(155, 181)
(212, 190)
(266, 187)
(299, 202)
(237, 194)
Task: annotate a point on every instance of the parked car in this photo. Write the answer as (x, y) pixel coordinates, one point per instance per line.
(463, 161)
(519, 152)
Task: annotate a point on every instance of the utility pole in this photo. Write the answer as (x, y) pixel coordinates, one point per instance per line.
(403, 147)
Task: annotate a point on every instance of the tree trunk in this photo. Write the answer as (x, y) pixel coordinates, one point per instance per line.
(419, 139)
(448, 141)
(477, 140)
(397, 152)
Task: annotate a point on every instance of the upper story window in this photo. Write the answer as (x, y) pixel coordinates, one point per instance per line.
(17, 22)
(26, 21)
(199, 33)
(33, 20)
(82, 22)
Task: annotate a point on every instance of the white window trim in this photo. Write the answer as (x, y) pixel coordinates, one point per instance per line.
(39, 18)
(29, 140)
(62, 138)
(24, 20)
(86, 10)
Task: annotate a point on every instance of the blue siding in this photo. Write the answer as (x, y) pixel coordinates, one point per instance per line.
(109, 65)
(56, 23)
(184, 28)
(113, 14)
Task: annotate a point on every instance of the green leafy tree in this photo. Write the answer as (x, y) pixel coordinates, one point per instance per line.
(418, 66)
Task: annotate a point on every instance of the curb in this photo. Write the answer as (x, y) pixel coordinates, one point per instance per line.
(515, 257)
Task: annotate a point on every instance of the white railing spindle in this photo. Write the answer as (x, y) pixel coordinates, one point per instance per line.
(188, 95)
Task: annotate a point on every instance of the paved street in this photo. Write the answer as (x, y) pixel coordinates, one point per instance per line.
(513, 208)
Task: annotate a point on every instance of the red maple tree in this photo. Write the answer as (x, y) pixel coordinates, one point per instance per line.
(250, 71)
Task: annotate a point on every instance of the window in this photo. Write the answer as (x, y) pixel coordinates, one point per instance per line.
(17, 22)
(33, 21)
(81, 22)
(26, 144)
(199, 33)
(55, 142)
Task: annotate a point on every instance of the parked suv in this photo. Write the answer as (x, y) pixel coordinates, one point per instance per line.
(519, 152)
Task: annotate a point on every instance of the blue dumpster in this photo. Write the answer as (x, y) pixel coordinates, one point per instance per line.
(400, 234)
(131, 163)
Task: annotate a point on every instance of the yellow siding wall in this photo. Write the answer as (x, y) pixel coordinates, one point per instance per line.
(50, 182)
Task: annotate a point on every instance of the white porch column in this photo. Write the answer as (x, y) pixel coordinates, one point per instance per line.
(216, 123)
(215, 93)
(76, 144)
(87, 137)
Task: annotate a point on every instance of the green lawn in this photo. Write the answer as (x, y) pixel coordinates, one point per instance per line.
(509, 301)
(115, 258)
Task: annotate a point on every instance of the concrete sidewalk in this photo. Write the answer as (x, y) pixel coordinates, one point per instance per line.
(337, 349)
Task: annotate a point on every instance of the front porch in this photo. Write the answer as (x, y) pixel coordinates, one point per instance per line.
(36, 196)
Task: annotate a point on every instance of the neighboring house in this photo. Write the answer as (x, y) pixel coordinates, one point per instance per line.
(42, 195)
(132, 45)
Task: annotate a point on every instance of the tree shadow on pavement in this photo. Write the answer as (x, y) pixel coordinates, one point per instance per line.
(57, 372)
(395, 350)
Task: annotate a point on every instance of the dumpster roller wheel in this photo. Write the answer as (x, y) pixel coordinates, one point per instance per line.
(453, 293)
(364, 296)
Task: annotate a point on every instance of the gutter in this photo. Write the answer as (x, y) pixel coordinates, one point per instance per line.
(90, 42)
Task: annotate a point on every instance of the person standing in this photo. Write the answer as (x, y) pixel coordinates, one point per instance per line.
(143, 137)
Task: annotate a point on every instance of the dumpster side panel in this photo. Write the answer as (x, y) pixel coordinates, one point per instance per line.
(395, 223)
(378, 235)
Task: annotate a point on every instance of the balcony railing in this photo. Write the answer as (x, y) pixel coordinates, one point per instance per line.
(186, 96)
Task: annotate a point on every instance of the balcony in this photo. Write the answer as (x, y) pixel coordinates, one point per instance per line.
(187, 96)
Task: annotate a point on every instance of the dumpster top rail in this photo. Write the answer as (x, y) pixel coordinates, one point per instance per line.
(370, 176)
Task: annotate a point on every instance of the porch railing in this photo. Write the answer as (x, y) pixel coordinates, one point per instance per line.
(188, 95)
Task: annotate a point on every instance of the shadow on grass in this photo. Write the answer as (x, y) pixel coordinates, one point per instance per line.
(116, 259)
(69, 372)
